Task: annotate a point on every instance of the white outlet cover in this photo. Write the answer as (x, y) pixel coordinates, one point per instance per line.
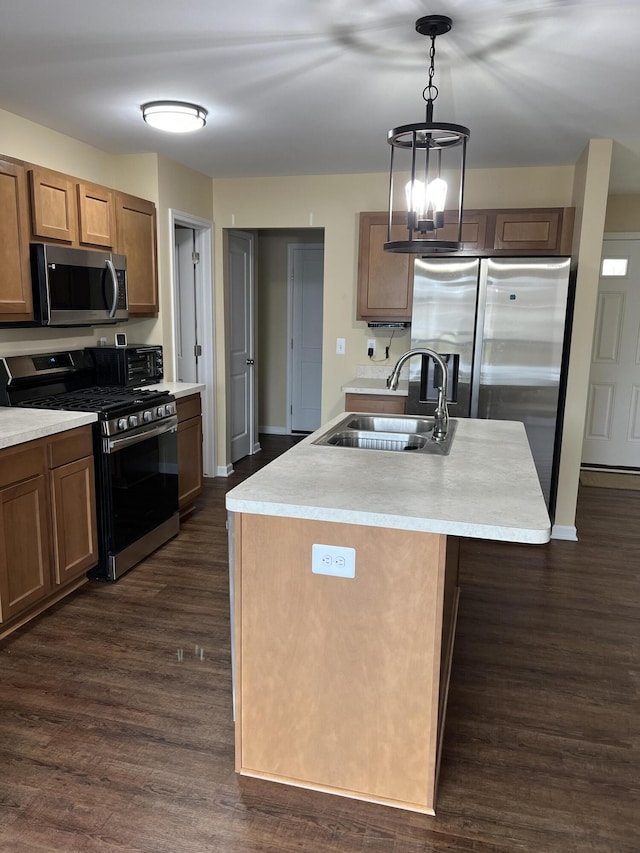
(333, 560)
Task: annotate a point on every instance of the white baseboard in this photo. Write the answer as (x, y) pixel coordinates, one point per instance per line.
(569, 534)
(256, 448)
(273, 430)
(224, 470)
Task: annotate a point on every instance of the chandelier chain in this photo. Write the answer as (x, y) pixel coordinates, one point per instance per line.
(430, 91)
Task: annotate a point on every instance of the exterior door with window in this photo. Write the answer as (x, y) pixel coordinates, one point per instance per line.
(612, 428)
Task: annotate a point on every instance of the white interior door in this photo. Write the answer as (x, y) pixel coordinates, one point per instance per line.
(306, 269)
(612, 428)
(240, 266)
(186, 319)
(194, 320)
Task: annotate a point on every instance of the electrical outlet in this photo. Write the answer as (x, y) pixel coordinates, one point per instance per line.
(333, 560)
(371, 347)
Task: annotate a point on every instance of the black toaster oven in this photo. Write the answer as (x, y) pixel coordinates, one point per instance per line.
(128, 366)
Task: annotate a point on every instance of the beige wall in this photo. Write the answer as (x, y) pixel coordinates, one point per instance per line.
(623, 213)
(333, 202)
(590, 201)
(149, 176)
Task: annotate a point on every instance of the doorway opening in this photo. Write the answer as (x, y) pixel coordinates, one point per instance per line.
(285, 334)
(193, 317)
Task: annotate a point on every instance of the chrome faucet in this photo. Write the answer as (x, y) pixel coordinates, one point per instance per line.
(441, 419)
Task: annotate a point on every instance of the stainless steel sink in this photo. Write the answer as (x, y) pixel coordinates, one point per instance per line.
(389, 423)
(398, 433)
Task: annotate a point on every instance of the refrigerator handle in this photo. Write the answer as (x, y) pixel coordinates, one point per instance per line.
(479, 338)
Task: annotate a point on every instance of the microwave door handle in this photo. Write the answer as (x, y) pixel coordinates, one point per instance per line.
(114, 281)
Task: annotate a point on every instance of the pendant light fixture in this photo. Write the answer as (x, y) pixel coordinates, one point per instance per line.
(423, 151)
(174, 116)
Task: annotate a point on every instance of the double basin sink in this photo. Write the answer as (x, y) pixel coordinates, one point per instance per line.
(388, 432)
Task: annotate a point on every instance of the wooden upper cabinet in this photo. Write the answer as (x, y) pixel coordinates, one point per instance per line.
(16, 304)
(475, 226)
(53, 206)
(136, 238)
(535, 231)
(385, 279)
(96, 215)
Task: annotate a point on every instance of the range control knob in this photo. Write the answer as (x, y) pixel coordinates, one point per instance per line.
(122, 423)
(133, 420)
(160, 411)
(147, 416)
(170, 409)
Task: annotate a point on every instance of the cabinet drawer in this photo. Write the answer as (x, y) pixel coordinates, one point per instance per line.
(69, 446)
(188, 407)
(21, 463)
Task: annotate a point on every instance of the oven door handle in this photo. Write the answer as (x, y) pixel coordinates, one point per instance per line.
(114, 281)
(114, 445)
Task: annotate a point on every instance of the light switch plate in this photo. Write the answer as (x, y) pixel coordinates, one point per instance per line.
(333, 560)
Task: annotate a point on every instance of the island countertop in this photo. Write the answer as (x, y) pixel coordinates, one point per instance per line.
(486, 488)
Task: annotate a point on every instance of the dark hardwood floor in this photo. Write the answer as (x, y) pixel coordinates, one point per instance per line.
(115, 709)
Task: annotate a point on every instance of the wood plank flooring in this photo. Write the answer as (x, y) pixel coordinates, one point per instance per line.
(115, 709)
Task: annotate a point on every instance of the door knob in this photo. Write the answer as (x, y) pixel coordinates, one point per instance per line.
(250, 361)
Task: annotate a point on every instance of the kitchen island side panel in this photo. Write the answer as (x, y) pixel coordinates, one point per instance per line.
(338, 679)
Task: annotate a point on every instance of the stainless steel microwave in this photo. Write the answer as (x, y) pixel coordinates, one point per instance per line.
(78, 287)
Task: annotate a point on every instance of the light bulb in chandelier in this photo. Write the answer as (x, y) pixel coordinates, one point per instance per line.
(426, 204)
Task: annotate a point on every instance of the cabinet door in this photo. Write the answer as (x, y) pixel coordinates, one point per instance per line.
(53, 206)
(96, 215)
(16, 303)
(25, 567)
(75, 544)
(136, 238)
(189, 461)
(535, 231)
(474, 229)
(385, 279)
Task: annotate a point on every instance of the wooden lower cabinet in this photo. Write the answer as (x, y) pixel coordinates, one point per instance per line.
(341, 682)
(74, 519)
(48, 530)
(375, 404)
(190, 478)
(25, 566)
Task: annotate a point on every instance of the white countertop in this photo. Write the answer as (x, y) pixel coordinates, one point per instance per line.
(486, 488)
(362, 385)
(20, 425)
(178, 389)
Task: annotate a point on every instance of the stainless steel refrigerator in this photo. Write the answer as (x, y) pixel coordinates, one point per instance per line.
(503, 324)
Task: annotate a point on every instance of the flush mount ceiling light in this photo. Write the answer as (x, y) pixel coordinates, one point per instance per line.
(174, 116)
(423, 151)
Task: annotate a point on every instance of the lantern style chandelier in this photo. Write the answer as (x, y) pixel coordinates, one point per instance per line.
(423, 151)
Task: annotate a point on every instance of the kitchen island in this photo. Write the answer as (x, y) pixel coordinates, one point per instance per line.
(342, 651)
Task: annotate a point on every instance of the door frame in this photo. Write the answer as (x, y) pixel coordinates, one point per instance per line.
(205, 312)
(291, 248)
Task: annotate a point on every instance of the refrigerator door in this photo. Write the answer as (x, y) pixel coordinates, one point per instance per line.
(519, 354)
(443, 319)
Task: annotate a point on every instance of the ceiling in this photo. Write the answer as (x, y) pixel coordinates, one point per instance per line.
(312, 86)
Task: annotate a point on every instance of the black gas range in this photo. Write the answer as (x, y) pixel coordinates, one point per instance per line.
(135, 450)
